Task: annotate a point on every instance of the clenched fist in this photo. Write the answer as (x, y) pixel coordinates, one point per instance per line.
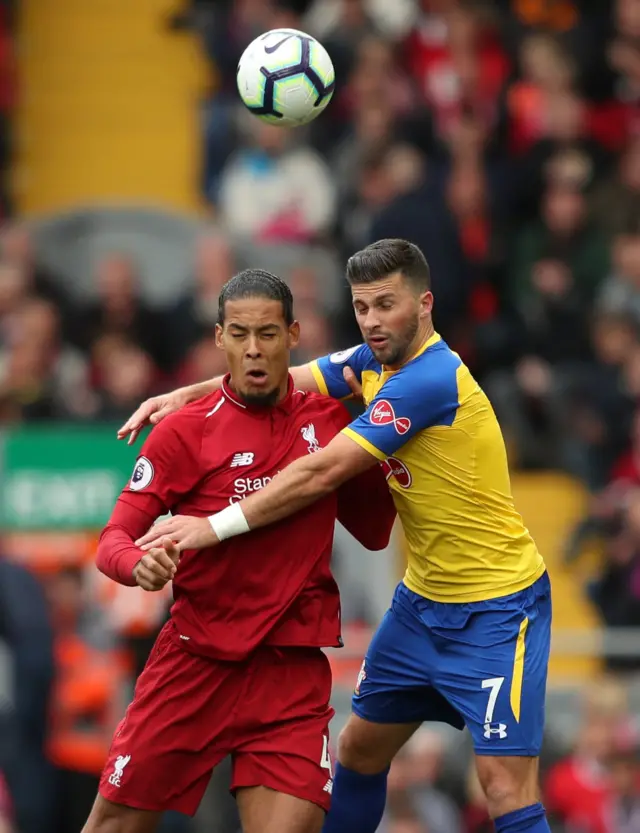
(157, 567)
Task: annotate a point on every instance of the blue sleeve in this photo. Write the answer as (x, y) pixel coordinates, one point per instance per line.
(327, 371)
(421, 395)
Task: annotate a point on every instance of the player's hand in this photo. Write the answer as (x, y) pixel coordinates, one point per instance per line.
(152, 411)
(158, 566)
(352, 380)
(186, 532)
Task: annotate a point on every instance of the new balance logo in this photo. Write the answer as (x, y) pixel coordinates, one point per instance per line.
(495, 730)
(328, 787)
(242, 458)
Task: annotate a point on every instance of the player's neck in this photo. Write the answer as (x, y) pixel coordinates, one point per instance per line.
(422, 335)
(255, 402)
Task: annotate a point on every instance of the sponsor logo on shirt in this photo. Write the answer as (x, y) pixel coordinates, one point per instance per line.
(242, 458)
(143, 474)
(382, 413)
(244, 486)
(392, 467)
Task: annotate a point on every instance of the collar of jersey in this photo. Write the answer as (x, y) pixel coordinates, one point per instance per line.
(285, 404)
(434, 338)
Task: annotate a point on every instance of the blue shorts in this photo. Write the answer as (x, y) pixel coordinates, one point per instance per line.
(481, 664)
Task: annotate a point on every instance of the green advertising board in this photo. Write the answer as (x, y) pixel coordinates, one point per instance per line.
(56, 478)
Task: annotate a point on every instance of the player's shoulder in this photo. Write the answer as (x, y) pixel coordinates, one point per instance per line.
(359, 356)
(431, 376)
(436, 365)
(190, 421)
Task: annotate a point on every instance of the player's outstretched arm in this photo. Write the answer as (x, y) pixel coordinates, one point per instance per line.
(299, 484)
(154, 410)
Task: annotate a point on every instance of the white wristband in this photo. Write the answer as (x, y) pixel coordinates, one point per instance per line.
(230, 522)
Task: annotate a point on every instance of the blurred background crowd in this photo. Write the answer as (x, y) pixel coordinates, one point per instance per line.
(503, 137)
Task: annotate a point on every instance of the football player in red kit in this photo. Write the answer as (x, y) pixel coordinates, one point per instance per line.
(239, 668)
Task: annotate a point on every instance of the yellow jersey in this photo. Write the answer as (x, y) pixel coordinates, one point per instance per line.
(435, 432)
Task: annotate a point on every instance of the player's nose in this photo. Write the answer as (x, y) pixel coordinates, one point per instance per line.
(253, 348)
(371, 322)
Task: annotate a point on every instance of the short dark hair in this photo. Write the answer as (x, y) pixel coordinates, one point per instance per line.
(384, 257)
(256, 283)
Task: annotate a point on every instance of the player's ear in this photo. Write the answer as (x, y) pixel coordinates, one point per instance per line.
(294, 335)
(219, 337)
(426, 303)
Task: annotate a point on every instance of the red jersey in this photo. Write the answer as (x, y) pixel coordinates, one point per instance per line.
(273, 585)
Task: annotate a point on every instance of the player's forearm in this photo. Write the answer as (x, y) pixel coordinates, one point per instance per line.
(200, 389)
(117, 555)
(117, 552)
(300, 484)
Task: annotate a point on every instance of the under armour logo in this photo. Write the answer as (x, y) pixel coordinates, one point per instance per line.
(242, 458)
(495, 730)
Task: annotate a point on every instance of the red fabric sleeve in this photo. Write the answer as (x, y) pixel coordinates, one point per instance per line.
(365, 505)
(167, 469)
(117, 554)
(366, 508)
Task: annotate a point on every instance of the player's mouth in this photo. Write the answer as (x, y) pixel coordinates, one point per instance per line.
(257, 378)
(378, 342)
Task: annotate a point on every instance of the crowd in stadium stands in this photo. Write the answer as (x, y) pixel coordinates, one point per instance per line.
(501, 136)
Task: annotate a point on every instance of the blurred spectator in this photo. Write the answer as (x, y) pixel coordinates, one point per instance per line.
(6, 824)
(558, 263)
(417, 770)
(616, 204)
(624, 772)
(458, 63)
(120, 309)
(577, 789)
(204, 361)
(40, 376)
(88, 699)
(276, 192)
(621, 291)
(351, 25)
(417, 212)
(25, 629)
(623, 53)
(17, 250)
(548, 76)
(315, 334)
(195, 314)
(475, 813)
(124, 374)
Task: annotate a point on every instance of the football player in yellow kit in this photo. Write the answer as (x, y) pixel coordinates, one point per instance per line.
(466, 639)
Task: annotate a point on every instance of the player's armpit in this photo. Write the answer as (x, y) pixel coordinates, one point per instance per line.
(117, 553)
(366, 508)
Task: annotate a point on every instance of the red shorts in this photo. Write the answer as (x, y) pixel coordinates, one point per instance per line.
(270, 712)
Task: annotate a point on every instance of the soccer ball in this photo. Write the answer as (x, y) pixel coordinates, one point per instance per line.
(285, 77)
